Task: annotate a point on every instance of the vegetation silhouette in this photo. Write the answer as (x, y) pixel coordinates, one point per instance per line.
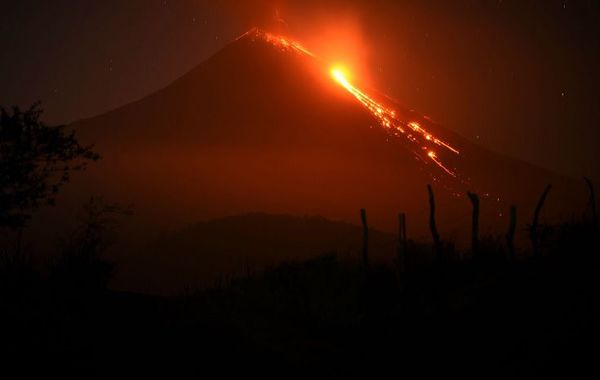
(36, 160)
(80, 266)
(497, 313)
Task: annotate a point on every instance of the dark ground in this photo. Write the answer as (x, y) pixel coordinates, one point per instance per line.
(485, 317)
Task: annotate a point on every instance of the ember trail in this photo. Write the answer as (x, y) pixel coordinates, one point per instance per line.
(386, 117)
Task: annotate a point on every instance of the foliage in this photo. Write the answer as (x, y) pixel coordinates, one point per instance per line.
(35, 162)
(81, 265)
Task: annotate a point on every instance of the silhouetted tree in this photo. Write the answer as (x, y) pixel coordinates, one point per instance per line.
(35, 162)
(81, 266)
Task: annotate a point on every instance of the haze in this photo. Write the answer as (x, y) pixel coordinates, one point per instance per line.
(522, 84)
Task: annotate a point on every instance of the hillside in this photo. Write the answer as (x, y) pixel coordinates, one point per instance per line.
(263, 128)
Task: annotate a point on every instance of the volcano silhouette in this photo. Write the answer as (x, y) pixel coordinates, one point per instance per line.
(258, 128)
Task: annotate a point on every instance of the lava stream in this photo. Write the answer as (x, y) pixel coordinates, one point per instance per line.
(386, 117)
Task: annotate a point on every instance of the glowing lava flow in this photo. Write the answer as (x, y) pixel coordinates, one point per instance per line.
(386, 117)
(279, 41)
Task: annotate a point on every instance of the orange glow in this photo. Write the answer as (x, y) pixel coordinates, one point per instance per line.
(417, 128)
(435, 159)
(386, 117)
(341, 39)
(340, 76)
(279, 41)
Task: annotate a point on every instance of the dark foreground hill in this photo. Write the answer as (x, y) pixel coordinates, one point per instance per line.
(203, 254)
(258, 128)
(322, 318)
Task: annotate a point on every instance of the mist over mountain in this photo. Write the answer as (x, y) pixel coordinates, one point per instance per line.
(303, 189)
(205, 253)
(258, 128)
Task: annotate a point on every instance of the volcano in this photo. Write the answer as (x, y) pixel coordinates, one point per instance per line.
(263, 127)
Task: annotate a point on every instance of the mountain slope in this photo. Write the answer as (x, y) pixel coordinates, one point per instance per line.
(261, 128)
(202, 253)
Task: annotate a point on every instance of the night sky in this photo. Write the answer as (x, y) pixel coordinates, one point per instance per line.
(519, 77)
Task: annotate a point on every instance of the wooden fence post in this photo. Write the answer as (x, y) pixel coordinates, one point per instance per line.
(402, 245)
(365, 252)
(534, 232)
(592, 200)
(433, 227)
(475, 222)
(510, 235)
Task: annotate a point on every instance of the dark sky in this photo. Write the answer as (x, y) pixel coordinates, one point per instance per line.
(519, 77)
